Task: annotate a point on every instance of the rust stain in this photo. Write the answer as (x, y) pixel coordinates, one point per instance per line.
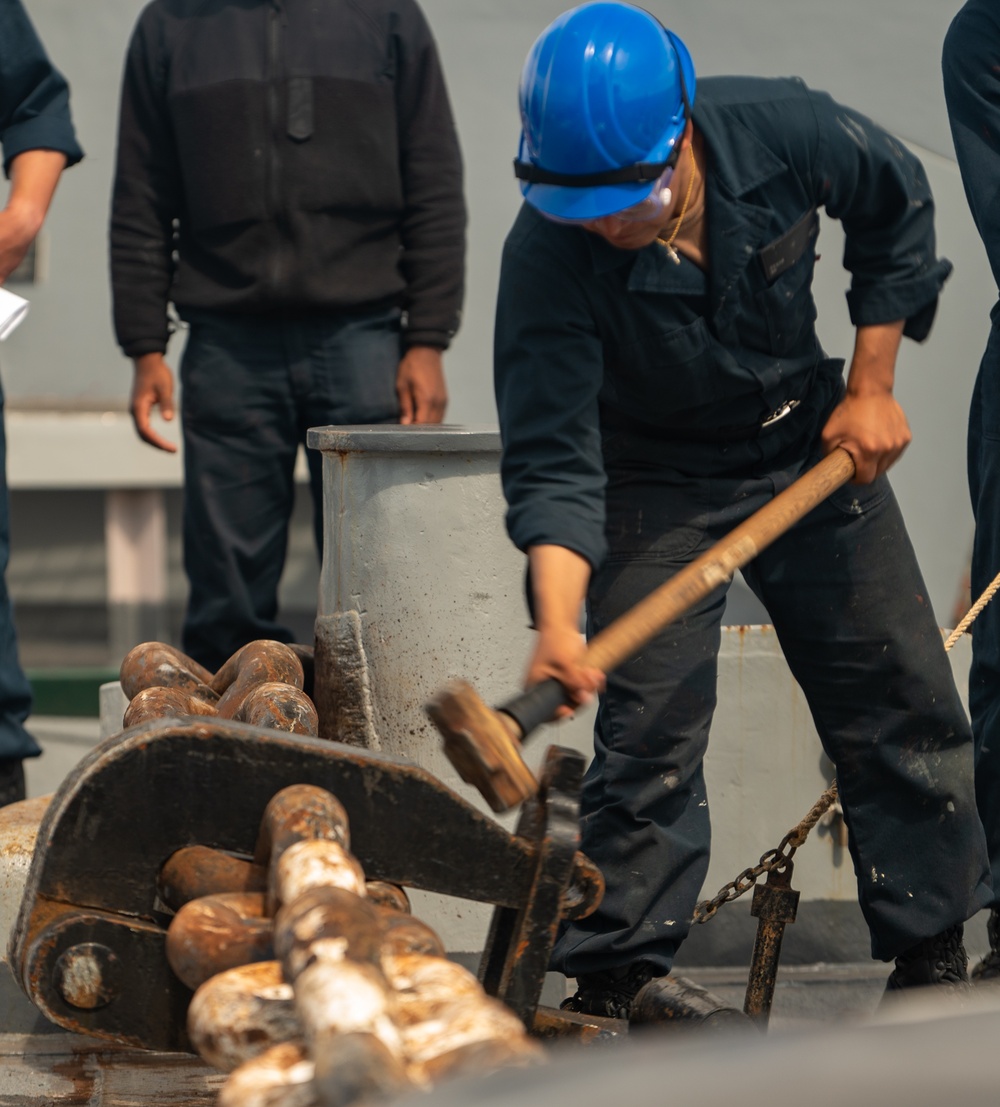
(109, 1077)
(80, 1075)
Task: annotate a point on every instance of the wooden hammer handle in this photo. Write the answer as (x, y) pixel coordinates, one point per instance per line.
(631, 631)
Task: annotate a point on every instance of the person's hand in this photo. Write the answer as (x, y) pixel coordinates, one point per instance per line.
(868, 422)
(559, 578)
(420, 386)
(872, 427)
(559, 653)
(152, 386)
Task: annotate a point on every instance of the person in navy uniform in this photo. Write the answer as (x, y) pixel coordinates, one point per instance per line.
(39, 142)
(658, 379)
(971, 63)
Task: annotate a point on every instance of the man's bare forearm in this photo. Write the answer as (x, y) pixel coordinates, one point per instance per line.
(873, 367)
(868, 422)
(33, 179)
(559, 579)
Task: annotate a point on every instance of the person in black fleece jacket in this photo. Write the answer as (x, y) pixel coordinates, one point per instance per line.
(289, 178)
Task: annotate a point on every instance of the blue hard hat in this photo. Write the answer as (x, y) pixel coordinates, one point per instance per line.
(605, 94)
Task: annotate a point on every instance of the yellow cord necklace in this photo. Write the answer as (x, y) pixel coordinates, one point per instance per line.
(668, 244)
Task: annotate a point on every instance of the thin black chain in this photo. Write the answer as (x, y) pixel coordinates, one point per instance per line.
(772, 859)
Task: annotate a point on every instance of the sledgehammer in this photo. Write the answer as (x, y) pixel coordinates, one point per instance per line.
(484, 744)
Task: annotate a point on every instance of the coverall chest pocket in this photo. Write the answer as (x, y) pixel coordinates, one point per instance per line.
(668, 372)
(786, 302)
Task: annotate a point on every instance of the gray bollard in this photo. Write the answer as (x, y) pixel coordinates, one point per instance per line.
(19, 823)
(419, 584)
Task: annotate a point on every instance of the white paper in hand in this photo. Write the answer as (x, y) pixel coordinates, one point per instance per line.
(12, 310)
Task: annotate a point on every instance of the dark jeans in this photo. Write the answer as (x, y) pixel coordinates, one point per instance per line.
(15, 691)
(984, 677)
(850, 609)
(252, 387)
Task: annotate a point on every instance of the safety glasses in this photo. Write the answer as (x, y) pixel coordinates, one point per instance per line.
(651, 207)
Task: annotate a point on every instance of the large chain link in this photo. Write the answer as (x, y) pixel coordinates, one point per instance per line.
(773, 859)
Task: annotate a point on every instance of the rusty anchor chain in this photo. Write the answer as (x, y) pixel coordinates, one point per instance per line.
(775, 858)
(89, 947)
(264, 684)
(775, 904)
(347, 1000)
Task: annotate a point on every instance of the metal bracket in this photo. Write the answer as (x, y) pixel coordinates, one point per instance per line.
(91, 905)
(775, 904)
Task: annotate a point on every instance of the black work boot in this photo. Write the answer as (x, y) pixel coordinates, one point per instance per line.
(11, 780)
(609, 993)
(989, 968)
(938, 960)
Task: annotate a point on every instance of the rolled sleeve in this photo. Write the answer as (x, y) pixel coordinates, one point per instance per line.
(552, 513)
(914, 301)
(548, 374)
(42, 133)
(879, 191)
(34, 96)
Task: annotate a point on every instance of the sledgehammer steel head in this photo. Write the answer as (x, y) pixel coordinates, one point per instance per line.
(483, 745)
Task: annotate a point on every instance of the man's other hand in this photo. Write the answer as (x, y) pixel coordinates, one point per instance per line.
(152, 386)
(420, 386)
(559, 652)
(559, 579)
(868, 422)
(872, 427)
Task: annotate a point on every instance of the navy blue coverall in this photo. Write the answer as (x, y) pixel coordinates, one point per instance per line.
(972, 90)
(34, 115)
(632, 393)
